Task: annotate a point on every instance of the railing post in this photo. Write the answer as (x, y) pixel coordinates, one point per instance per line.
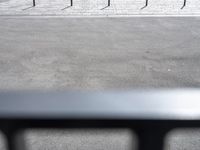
(33, 3)
(108, 2)
(150, 139)
(184, 4)
(147, 1)
(146, 4)
(71, 2)
(15, 140)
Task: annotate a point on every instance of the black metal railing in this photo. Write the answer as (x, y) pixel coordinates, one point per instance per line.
(109, 2)
(151, 115)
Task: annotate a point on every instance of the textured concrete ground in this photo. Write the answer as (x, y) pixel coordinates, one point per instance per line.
(94, 7)
(77, 53)
(99, 54)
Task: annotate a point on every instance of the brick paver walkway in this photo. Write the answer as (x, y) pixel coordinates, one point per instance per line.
(94, 7)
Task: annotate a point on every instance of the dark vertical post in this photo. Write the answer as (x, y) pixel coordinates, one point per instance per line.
(71, 2)
(33, 3)
(146, 4)
(147, 1)
(184, 4)
(150, 139)
(15, 140)
(108, 2)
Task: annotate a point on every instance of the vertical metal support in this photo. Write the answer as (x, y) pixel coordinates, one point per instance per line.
(150, 139)
(108, 2)
(15, 140)
(33, 3)
(184, 4)
(146, 4)
(71, 3)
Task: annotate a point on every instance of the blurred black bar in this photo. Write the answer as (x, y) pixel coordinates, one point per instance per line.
(184, 4)
(15, 139)
(33, 3)
(71, 2)
(146, 4)
(108, 2)
(150, 114)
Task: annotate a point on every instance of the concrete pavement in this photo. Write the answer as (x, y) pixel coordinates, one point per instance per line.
(99, 53)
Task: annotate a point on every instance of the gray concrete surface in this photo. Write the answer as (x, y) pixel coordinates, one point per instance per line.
(99, 54)
(83, 139)
(183, 139)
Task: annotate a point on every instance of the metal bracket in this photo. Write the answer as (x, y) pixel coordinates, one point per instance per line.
(146, 4)
(184, 4)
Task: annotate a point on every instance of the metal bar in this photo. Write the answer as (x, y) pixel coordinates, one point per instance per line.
(151, 115)
(33, 3)
(151, 139)
(125, 106)
(71, 4)
(150, 133)
(184, 4)
(146, 4)
(108, 2)
(15, 140)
